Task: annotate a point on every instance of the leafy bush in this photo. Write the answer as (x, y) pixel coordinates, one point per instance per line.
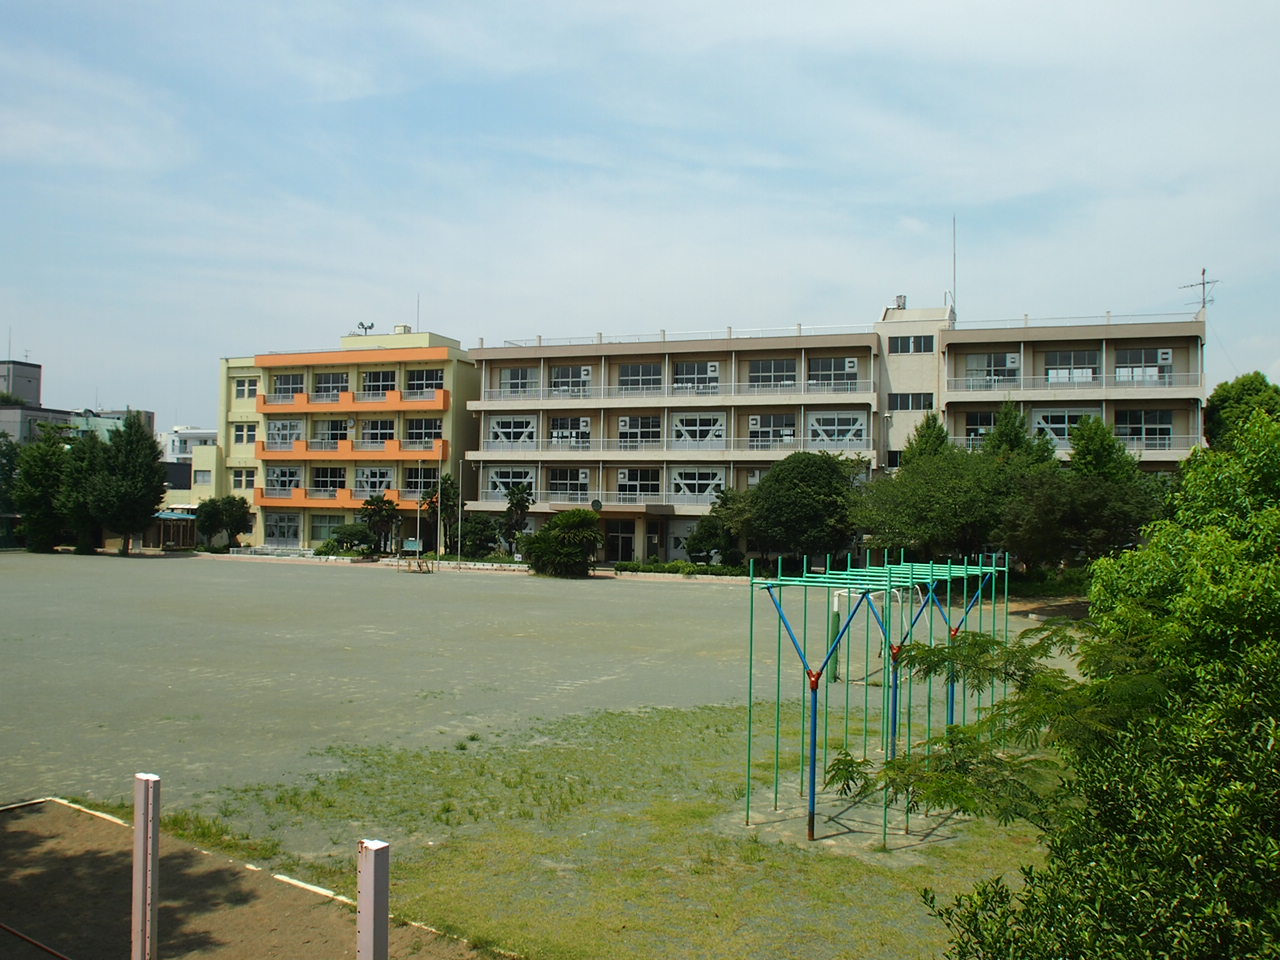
(682, 567)
(566, 544)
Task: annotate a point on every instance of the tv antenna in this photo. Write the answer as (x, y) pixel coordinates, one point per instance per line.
(364, 327)
(1206, 288)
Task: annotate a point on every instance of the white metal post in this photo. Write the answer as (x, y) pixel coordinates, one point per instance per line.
(373, 882)
(146, 865)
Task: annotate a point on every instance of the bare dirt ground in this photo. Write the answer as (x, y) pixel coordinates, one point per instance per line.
(68, 888)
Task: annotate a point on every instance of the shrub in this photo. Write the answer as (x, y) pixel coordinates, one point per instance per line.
(566, 544)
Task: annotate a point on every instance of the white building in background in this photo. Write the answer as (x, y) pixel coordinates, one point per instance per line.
(179, 442)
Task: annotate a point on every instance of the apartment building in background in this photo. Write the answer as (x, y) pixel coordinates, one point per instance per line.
(307, 436)
(649, 429)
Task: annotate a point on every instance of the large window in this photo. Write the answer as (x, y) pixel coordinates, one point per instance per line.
(574, 381)
(246, 388)
(1145, 429)
(422, 432)
(502, 479)
(372, 480)
(639, 485)
(696, 484)
(517, 381)
(286, 384)
(834, 429)
(569, 484)
(571, 432)
(512, 431)
(327, 386)
(1146, 365)
(325, 434)
(990, 371)
(419, 382)
(834, 374)
(911, 401)
(280, 480)
(244, 433)
(374, 434)
(638, 377)
(977, 424)
(202, 478)
(323, 525)
(1057, 424)
(282, 529)
(1062, 367)
(771, 374)
(282, 433)
(699, 430)
(696, 376)
(765, 430)
(374, 383)
(636, 432)
(420, 480)
(920, 344)
(243, 479)
(325, 481)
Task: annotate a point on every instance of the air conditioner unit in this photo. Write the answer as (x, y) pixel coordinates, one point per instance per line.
(1011, 361)
(584, 476)
(1164, 356)
(851, 364)
(584, 423)
(623, 476)
(753, 423)
(586, 373)
(713, 369)
(624, 423)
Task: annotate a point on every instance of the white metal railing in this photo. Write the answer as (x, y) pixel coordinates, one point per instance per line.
(1108, 318)
(607, 497)
(418, 444)
(1097, 382)
(674, 446)
(369, 445)
(278, 397)
(323, 493)
(796, 387)
(371, 396)
(278, 493)
(322, 445)
(280, 444)
(325, 396)
(723, 333)
(1152, 442)
(419, 394)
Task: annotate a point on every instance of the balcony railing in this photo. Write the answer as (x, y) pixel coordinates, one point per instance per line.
(369, 445)
(278, 493)
(607, 497)
(862, 385)
(674, 446)
(420, 394)
(1097, 382)
(323, 493)
(281, 444)
(1151, 442)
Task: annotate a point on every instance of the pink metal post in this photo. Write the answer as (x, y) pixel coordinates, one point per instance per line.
(146, 865)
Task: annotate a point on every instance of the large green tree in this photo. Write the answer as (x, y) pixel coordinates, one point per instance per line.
(803, 505)
(133, 485)
(9, 452)
(1161, 827)
(1233, 402)
(565, 545)
(519, 502)
(379, 514)
(79, 495)
(36, 485)
(228, 515)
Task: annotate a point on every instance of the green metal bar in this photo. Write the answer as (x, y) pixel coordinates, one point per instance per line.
(751, 674)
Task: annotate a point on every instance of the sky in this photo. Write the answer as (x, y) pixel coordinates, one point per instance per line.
(182, 182)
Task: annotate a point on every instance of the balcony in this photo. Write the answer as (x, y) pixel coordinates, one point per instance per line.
(1152, 446)
(364, 402)
(607, 498)
(1169, 381)
(670, 448)
(682, 391)
(329, 498)
(435, 450)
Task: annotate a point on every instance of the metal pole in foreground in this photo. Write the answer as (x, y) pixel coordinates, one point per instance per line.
(814, 678)
(373, 880)
(146, 865)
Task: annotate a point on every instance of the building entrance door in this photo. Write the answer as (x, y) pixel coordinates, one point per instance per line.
(619, 541)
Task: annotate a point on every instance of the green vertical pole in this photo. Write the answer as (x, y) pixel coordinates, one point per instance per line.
(848, 664)
(804, 685)
(751, 672)
(777, 709)
(866, 679)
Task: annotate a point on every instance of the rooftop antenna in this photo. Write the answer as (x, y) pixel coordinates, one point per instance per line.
(364, 327)
(417, 315)
(953, 262)
(1206, 287)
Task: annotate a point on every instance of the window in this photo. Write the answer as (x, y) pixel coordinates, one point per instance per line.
(572, 381)
(922, 344)
(835, 374)
(512, 431)
(1070, 366)
(202, 478)
(502, 479)
(280, 480)
(244, 433)
(325, 434)
(372, 480)
(418, 480)
(329, 385)
(892, 459)
(990, 371)
(517, 381)
(246, 388)
(771, 374)
(639, 485)
(1145, 429)
(1057, 424)
(377, 431)
(704, 430)
(696, 376)
(1145, 365)
(569, 484)
(635, 377)
(375, 383)
(419, 382)
(281, 529)
(767, 430)
(571, 432)
(636, 432)
(833, 429)
(243, 479)
(282, 433)
(286, 384)
(422, 432)
(911, 401)
(696, 484)
(326, 480)
(323, 525)
(976, 426)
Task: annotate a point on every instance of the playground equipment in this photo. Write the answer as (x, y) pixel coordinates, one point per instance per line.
(886, 607)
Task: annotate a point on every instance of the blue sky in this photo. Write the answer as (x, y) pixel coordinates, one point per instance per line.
(182, 182)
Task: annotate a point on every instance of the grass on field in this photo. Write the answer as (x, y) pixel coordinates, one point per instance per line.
(618, 835)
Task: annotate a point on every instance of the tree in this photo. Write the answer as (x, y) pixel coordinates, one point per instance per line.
(710, 537)
(1161, 827)
(1233, 402)
(133, 485)
(9, 452)
(79, 498)
(480, 535)
(566, 545)
(35, 488)
(928, 439)
(209, 518)
(444, 498)
(1097, 453)
(353, 536)
(519, 500)
(228, 515)
(803, 505)
(379, 514)
(1009, 437)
